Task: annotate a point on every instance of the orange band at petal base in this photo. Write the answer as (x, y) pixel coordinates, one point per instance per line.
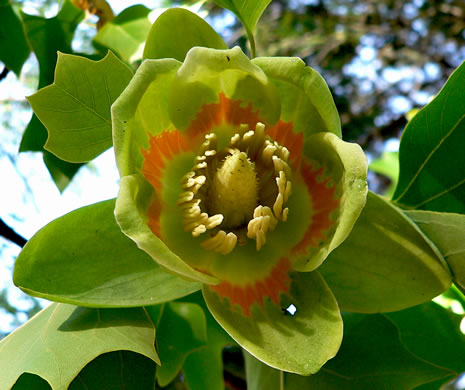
(163, 147)
(153, 214)
(225, 111)
(324, 203)
(276, 283)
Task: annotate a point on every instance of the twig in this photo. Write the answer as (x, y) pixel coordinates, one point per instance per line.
(4, 73)
(10, 234)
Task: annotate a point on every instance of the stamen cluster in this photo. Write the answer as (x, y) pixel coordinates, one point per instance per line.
(238, 192)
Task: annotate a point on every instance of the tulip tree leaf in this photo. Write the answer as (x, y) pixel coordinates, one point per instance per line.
(62, 172)
(248, 12)
(42, 346)
(46, 38)
(14, 49)
(31, 382)
(126, 34)
(299, 343)
(190, 31)
(203, 368)
(385, 264)
(371, 357)
(116, 370)
(181, 330)
(433, 334)
(431, 152)
(447, 231)
(260, 376)
(94, 265)
(76, 107)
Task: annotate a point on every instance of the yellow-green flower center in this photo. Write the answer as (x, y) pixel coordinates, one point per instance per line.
(233, 192)
(238, 192)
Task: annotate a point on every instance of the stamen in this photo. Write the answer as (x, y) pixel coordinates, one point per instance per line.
(278, 206)
(185, 197)
(228, 244)
(191, 223)
(187, 176)
(268, 153)
(222, 243)
(234, 139)
(215, 241)
(202, 165)
(261, 164)
(199, 180)
(214, 221)
(199, 230)
(262, 222)
(190, 204)
(192, 212)
(258, 140)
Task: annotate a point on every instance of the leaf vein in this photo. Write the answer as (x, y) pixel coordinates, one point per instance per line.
(422, 166)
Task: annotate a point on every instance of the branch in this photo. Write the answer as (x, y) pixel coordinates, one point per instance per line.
(4, 73)
(10, 234)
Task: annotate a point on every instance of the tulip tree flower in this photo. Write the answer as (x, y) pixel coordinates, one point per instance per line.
(233, 173)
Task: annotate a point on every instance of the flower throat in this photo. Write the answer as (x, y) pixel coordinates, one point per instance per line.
(236, 193)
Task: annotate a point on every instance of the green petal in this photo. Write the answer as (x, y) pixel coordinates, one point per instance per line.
(346, 165)
(299, 343)
(386, 263)
(305, 98)
(191, 30)
(207, 72)
(97, 266)
(133, 200)
(140, 111)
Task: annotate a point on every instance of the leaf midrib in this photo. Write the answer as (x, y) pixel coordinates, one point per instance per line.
(422, 166)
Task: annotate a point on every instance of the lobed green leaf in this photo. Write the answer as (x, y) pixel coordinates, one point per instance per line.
(248, 12)
(433, 334)
(126, 34)
(371, 357)
(76, 107)
(42, 346)
(203, 368)
(46, 37)
(14, 49)
(180, 332)
(116, 370)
